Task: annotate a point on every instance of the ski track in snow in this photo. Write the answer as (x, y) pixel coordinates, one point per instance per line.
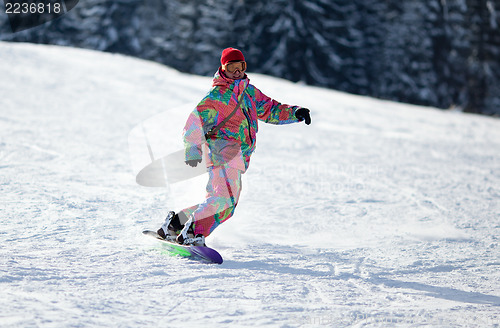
(378, 214)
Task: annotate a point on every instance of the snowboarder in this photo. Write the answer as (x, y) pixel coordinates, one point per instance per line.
(223, 128)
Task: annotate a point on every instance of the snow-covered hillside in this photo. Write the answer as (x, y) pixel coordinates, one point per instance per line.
(378, 214)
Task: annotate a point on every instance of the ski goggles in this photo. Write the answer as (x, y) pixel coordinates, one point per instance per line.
(232, 67)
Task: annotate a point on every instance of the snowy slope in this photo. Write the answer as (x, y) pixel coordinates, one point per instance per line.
(378, 214)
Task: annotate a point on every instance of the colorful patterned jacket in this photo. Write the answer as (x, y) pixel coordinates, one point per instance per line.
(234, 143)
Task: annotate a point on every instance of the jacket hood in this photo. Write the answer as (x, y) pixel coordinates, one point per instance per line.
(223, 81)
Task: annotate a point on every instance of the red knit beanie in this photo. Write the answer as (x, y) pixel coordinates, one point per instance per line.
(231, 54)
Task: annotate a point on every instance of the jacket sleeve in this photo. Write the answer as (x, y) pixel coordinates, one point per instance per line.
(271, 111)
(201, 119)
(193, 136)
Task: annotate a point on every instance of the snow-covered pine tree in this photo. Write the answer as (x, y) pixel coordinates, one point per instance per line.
(193, 35)
(437, 52)
(408, 54)
(484, 67)
(451, 59)
(277, 30)
(305, 40)
(492, 55)
(370, 54)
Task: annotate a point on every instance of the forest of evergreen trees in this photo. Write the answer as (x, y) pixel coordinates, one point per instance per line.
(443, 53)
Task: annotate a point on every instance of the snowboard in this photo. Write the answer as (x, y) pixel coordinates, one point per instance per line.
(198, 253)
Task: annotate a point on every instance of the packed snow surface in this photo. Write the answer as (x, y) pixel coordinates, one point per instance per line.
(378, 214)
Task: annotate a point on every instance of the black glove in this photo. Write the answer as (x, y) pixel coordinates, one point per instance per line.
(303, 114)
(193, 162)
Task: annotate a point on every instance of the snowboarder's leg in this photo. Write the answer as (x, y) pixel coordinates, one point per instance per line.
(223, 191)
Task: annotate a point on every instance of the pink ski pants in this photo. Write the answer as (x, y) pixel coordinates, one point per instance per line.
(223, 192)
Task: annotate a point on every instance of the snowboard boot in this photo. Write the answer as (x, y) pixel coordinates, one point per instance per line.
(171, 225)
(187, 237)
